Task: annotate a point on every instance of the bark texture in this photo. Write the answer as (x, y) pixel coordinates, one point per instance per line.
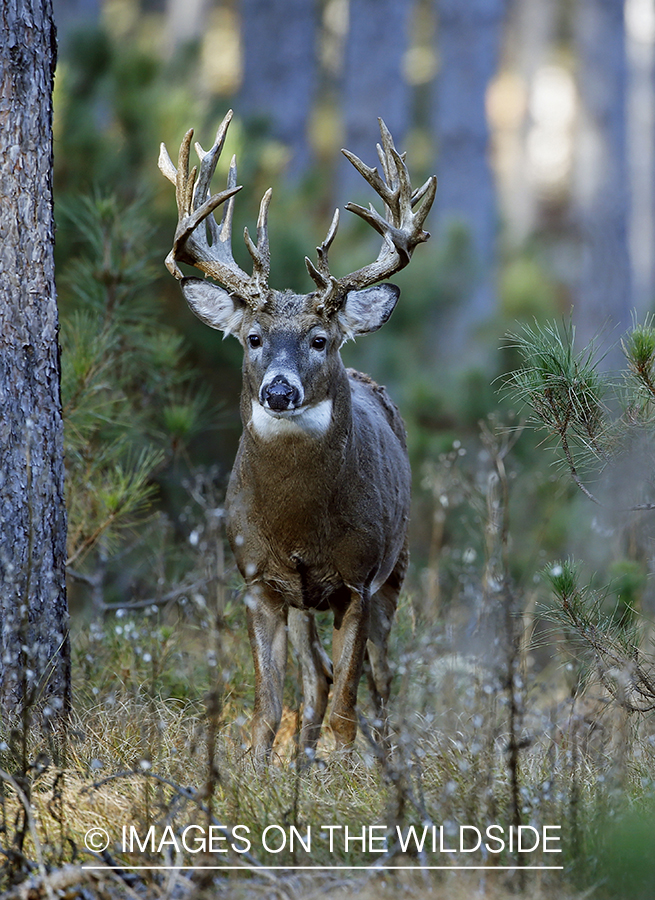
(34, 663)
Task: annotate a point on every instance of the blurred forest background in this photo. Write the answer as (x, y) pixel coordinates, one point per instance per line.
(538, 117)
(523, 679)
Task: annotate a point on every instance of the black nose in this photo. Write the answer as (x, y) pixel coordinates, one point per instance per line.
(279, 394)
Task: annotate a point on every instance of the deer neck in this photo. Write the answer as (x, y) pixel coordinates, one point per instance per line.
(315, 438)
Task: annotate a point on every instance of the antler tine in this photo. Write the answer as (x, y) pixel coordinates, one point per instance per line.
(386, 153)
(400, 227)
(370, 174)
(320, 275)
(182, 177)
(209, 160)
(166, 164)
(261, 254)
(189, 190)
(429, 192)
(419, 193)
(225, 229)
(332, 230)
(370, 215)
(388, 177)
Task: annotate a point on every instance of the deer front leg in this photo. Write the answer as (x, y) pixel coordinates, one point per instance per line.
(383, 607)
(316, 671)
(267, 630)
(348, 647)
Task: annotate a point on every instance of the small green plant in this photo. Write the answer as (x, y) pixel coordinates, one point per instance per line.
(639, 349)
(596, 419)
(128, 405)
(564, 391)
(573, 400)
(609, 647)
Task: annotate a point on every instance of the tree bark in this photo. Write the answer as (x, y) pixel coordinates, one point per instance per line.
(34, 662)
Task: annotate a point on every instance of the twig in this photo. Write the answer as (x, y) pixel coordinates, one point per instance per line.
(574, 472)
(174, 594)
(187, 794)
(9, 779)
(51, 883)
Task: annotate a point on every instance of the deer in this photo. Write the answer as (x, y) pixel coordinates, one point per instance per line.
(318, 500)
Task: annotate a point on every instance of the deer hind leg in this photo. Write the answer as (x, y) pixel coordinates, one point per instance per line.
(316, 671)
(267, 630)
(348, 648)
(383, 608)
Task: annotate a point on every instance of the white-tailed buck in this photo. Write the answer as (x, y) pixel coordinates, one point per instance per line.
(318, 500)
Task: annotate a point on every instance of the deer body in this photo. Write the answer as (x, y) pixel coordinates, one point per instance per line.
(316, 512)
(316, 508)
(318, 500)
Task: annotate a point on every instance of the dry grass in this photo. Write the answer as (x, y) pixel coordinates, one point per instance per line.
(482, 736)
(139, 759)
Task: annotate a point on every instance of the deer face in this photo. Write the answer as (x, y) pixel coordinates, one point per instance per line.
(291, 345)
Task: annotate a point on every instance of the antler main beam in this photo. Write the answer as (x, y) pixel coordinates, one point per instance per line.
(196, 218)
(401, 228)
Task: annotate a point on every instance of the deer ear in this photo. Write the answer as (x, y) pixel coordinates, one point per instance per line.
(367, 310)
(213, 305)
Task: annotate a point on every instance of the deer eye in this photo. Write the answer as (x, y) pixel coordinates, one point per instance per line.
(254, 341)
(319, 342)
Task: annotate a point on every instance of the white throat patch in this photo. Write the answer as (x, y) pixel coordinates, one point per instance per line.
(311, 421)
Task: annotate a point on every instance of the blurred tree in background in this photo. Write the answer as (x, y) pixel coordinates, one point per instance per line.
(374, 79)
(469, 43)
(602, 185)
(279, 74)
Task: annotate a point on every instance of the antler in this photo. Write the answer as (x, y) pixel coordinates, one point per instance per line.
(401, 227)
(195, 207)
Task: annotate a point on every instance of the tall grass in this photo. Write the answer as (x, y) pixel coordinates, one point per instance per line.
(481, 737)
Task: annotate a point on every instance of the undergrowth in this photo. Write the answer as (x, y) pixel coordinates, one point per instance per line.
(157, 757)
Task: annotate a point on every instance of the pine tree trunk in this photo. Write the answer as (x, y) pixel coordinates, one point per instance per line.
(532, 27)
(640, 26)
(34, 663)
(186, 20)
(602, 192)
